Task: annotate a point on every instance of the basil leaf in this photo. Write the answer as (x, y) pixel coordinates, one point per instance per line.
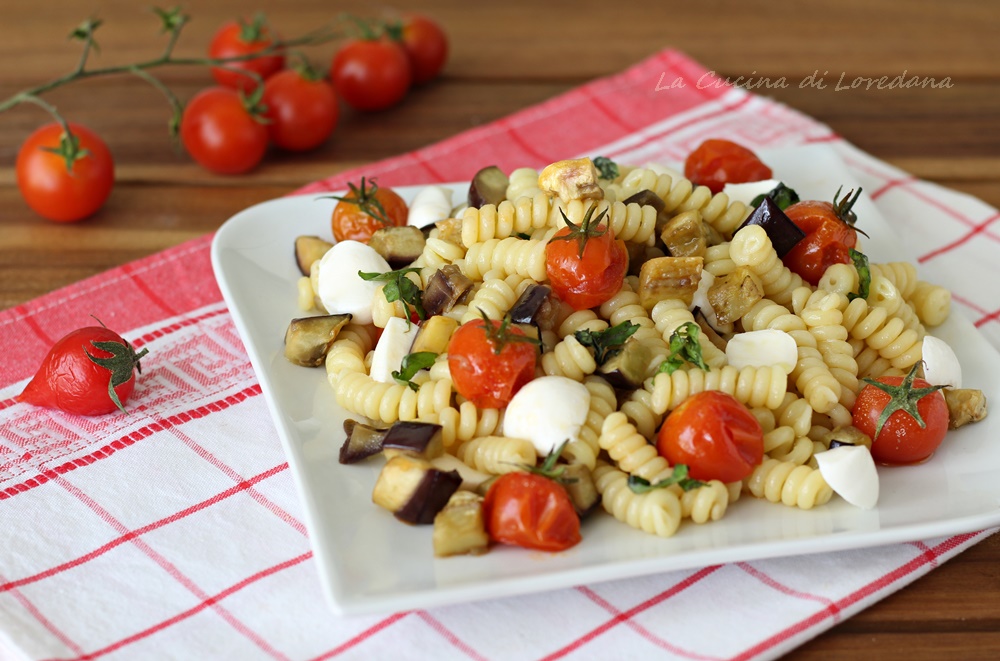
(411, 364)
(608, 342)
(781, 195)
(684, 347)
(864, 274)
(679, 477)
(606, 167)
(400, 288)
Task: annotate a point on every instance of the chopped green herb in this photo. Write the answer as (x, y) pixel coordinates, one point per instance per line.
(679, 477)
(522, 235)
(499, 336)
(413, 363)
(607, 167)
(864, 274)
(684, 347)
(400, 288)
(608, 342)
(781, 195)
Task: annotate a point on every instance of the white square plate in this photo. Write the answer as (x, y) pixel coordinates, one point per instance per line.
(369, 562)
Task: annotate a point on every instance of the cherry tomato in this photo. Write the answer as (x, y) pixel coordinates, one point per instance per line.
(238, 38)
(716, 163)
(588, 280)
(531, 511)
(902, 440)
(221, 134)
(301, 110)
(426, 46)
(73, 381)
(366, 209)
(56, 190)
(714, 435)
(371, 74)
(829, 236)
(487, 368)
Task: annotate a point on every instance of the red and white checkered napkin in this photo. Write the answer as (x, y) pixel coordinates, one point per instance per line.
(175, 532)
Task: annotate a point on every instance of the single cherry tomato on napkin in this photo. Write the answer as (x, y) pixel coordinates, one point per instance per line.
(61, 178)
(916, 422)
(365, 209)
(490, 360)
(585, 264)
(714, 435)
(300, 107)
(371, 74)
(830, 234)
(531, 511)
(239, 38)
(426, 46)
(223, 131)
(716, 163)
(87, 372)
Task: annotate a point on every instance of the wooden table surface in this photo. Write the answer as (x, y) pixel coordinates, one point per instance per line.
(506, 56)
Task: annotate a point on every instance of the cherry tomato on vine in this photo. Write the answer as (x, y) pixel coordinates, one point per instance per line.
(426, 46)
(714, 435)
(830, 234)
(716, 163)
(82, 370)
(221, 133)
(490, 361)
(371, 74)
(238, 38)
(61, 179)
(585, 264)
(902, 439)
(531, 511)
(301, 109)
(366, 209)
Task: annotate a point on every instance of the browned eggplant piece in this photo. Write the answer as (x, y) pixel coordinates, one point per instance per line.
(847, 435)
(628, 368)
(398, 245)
(645, 198)
(309, 249)
(413, 490)
(445, 289)
(965, 405)
(472, 479)
(732, 296)
(683, 235)
(363, 441)
(535, 306)
(309, 338)
(460, 528)
(640, 253)
(421, 439)
(450, 230)
(489, 186)
(669, 277)
(434, 335)
(784, 234)
(579, 484)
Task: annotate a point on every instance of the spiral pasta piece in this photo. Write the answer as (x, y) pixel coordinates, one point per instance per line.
(569, 358)
(903, 275)
(523, 215)
(798, 453)
(884, 333)
(438, 252)
(753, 386)
(467, 422)
(525, 257)
(522, 182)
(789, 483)
(496, 296)
(669, 315)
(705, 503)
(717, 260)
(628, 222)
(931, 302)
(389, 402)
(722, 214)
(839, 279)
(638, 408)
(752, 247)
(657, 512)
(580, 320)
(347, 353)
(630, 449)
(497, 454)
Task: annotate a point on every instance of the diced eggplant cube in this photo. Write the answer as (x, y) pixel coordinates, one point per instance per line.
(489, 186)
(644, 198)
(579, 484)
(784, 234)
(422, 439)
(627, 369)
(445, 289)
(531, 305)
(309, 249)
(362, 442)
(460, 528)
(398, 245)
(413, 490)
(308, 339)
(434, 335)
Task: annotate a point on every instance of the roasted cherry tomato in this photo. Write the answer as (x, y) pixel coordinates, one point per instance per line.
(366, 209)
(490, 361)
(221, 133)
(426, 47)
(301, 109)
(901, 438)
(716, 163)
(714, 435)
(371, 74)
(531, 511)
(61, 179)
(88, 372)
(585, 264)
(830, 234)
(238, 38)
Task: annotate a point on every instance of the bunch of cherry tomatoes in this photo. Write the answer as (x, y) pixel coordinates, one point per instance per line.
(228, 128)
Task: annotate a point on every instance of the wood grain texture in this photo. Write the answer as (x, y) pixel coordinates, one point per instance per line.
(506, 56)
